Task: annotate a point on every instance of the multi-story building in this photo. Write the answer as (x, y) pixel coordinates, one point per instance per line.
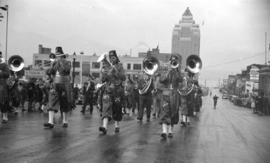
(86, 64)
(186, 37)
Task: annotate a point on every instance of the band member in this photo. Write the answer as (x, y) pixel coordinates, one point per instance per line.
(187, 99)
(60, 92)
(157, 96)
(130, 102)
(197, 99)
(112, 92)
(169, 115)
(4, 75)
(145, 98)
(88, 93)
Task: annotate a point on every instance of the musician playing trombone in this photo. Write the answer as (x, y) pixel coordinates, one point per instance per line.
(112, 91)
(60, 92)
(4, 101)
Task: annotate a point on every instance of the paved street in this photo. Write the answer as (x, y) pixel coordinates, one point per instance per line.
(229, 134)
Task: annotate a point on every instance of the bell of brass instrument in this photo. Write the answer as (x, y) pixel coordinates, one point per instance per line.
(194, 66)
(150, 66)
(106, 65)
(52, 57)
(16, 63)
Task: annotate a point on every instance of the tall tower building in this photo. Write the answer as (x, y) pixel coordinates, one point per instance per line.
(186, 37)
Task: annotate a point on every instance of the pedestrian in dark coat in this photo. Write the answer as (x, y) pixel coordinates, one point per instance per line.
(4, 75)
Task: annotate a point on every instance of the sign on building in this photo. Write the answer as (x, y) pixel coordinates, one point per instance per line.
(34, 73)
(254, 73)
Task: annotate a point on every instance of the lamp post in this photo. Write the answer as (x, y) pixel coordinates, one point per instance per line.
(5, 8)
(73, 69)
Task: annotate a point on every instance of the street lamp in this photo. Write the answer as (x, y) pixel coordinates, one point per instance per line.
(5, 8)
(73, 69)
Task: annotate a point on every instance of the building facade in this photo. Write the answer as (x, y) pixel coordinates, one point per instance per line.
(85, 64)
(186, 37)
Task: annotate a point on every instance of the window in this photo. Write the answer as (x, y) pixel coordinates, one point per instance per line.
(85, 69)
(95, 65)
(47, 63)
(77, 64)
(38, 63)
(96, 75)
(137, 67)
(128, 66)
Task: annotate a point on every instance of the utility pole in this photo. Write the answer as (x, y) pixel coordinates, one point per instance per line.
(265, 48)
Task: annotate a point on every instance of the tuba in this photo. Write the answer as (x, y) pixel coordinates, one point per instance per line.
(16, 63)
(150, 66)
(193, 67)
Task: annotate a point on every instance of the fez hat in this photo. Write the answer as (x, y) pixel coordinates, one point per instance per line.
(174, 57)
(59, 51)
(113, 53)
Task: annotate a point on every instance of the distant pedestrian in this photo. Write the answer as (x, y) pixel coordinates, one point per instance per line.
(215, 98)
(252, 104)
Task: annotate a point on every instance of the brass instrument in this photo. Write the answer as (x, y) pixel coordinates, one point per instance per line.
(106, 65)
(194, 66)
(2, 60)
(52, 57)
(16, 63)
(150, 66)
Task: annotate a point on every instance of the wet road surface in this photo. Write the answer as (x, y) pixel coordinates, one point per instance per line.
(229, 134)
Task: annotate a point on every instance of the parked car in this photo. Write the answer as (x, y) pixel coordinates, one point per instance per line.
(225, 96)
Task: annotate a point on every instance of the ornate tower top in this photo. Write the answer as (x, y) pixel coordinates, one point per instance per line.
(187, 12)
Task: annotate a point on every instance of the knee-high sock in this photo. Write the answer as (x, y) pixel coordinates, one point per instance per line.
(5, 116)
(164, 128)
(105, 122)
(65, 117)
(51, 116)
(184, 118)
(188, 119)
(116, 124)
(170, 128)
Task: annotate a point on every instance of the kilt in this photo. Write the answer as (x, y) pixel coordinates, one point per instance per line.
(169, 113)
(4, 101)
(60, 97)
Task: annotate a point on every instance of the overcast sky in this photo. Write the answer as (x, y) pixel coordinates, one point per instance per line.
(233, 30)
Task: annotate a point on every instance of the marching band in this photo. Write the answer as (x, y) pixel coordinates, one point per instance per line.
(164, 92)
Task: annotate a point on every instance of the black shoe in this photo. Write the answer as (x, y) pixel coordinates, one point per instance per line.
(4, 121)
(103, 130)
(65, 125)
(139, 119)
(188, 123)
(82, 111)
(170, 135)
(48, 125)
(117, 130)
(148, 120)
(164, 136)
